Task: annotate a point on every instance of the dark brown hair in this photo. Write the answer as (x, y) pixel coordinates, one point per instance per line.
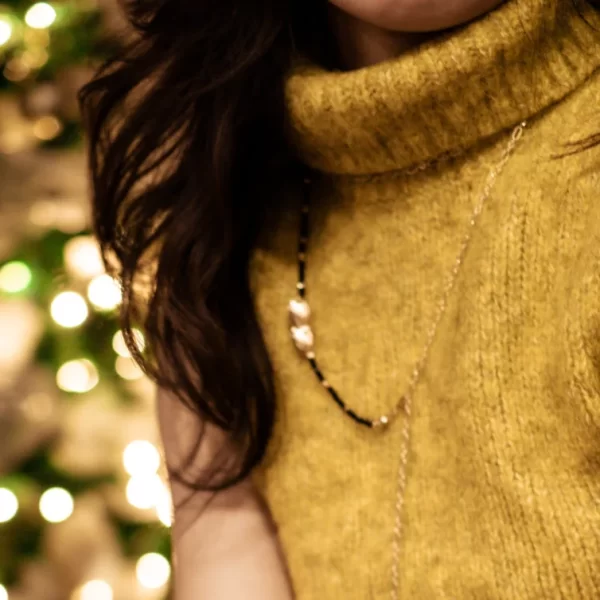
(188, 154)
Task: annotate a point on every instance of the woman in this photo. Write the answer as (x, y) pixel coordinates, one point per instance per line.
(424, 177)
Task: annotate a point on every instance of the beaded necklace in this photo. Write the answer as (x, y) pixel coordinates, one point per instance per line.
(304, 338)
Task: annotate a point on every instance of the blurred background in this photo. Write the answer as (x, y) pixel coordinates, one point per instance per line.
(84, 510)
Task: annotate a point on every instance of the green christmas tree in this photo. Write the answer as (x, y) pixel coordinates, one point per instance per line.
(84, 509)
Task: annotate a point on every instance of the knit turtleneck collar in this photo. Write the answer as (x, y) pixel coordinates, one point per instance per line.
(447, 94)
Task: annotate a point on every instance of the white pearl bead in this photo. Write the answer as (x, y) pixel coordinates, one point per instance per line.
(303, 338)
(299, 312)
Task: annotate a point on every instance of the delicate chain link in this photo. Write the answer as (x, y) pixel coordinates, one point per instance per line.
(303, 337)
(405, 404)
(423, 166)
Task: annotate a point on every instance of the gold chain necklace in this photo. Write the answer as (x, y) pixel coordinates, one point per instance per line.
(304, 339)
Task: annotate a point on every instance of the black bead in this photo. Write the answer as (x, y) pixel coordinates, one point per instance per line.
(319, 374)
(302, 247)
(358, 418)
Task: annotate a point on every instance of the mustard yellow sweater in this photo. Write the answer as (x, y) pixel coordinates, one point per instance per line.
(503, 480)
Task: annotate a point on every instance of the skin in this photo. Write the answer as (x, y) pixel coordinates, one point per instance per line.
(371, 31)
(415, 15)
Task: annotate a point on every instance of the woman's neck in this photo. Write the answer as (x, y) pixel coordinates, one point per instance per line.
(360, 44)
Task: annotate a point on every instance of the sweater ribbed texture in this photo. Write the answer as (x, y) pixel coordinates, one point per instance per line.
(503, 491)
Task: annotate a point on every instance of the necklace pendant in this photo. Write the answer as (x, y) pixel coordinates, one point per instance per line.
(299, 312)
(303, 338)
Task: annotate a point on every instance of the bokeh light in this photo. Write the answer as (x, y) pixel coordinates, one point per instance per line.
(47, 127)
(43, 213)
(15, 277)
(40, 16)
(104, 292)
(164, 507)
(82, 257)
(9, 505)
(141, 457)
(77, 376)
(120, 347)
(67, 395)
(153, 570)
(96, 589)
(5, 30)
(69, 309)
(56, 505)
(39, 38)
(128, 369)
(144, 491)
(36, 58)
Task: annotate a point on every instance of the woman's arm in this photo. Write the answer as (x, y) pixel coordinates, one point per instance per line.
(225, 545)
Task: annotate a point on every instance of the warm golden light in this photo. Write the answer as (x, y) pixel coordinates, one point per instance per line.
(3, 593)
(9, 505)
(40, 16)
(43, 213)
(77, 376)
(153, 570)
(56, 505)
(15, 277)
(104, 292)
(47, 128)
(36, 58)
(96, 589)
(6, 30)
(164, 508)
(128, 369)
(36, 37)
(82, 257)
(144, 491)
(16, 70)
(69, 309)
(120, 347)
(141, 457)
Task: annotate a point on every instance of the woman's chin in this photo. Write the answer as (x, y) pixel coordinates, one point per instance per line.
(416, 15)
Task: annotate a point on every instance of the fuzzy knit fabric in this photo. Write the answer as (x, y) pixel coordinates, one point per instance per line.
(503, 482)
